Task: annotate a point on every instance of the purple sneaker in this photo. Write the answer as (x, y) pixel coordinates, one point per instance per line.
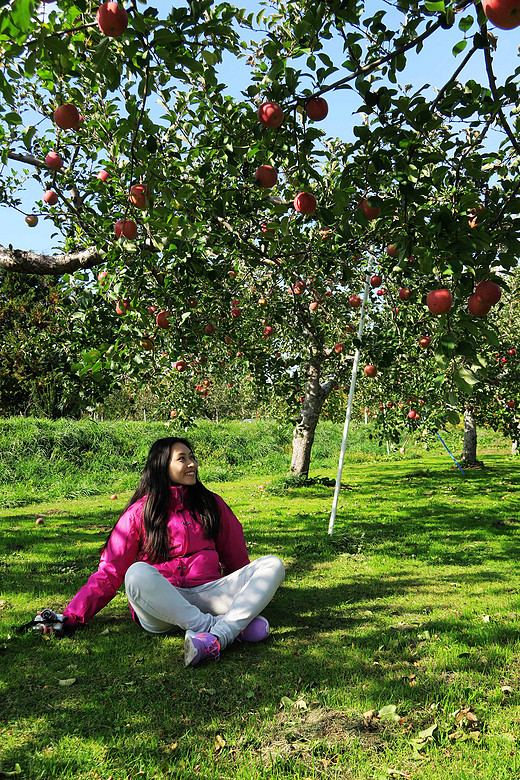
(200, 647)
(257, 630)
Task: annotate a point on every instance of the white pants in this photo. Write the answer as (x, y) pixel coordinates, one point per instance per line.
(222, 607)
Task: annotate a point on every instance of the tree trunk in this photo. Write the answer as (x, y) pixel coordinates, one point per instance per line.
(303, 435)
(469, 448)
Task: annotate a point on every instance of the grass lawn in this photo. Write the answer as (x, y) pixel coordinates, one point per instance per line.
(394, 652)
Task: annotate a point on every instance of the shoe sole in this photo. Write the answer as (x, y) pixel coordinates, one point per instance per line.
(190, 651)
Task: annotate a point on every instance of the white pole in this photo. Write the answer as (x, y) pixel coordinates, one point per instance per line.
(349, 404)
(366, 416)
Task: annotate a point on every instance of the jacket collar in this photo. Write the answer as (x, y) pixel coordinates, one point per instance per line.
(178, 495)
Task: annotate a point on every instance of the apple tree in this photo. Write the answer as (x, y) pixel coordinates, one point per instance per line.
(198, 204)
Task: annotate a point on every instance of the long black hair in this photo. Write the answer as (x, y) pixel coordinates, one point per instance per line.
(155, 484)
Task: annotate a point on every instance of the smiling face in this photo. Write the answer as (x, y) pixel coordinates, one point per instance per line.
(183, 466)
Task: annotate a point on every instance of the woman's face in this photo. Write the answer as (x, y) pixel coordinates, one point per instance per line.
(183, 466)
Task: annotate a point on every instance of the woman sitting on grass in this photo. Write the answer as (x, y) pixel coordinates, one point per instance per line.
(181, 553)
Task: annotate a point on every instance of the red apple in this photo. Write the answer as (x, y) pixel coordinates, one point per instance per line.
(112, 19)
(355, 301)
(477, 307)
(299, 287)
(316, 108)
(511, 404)
(488, 292)
(411, 414)
(39, 521)
(268, 331)
(67, 116)
(405, 294)
(126, 228)
(209, 329)
(266, 176)
(392, 250)
(370, 371)
(113, 497)
(236, 312)
(375, 280)
(152, 310)
(270, 115)
(31, 220)
(313, 305)
(305, 203)
(262, 301)
(381, 292)
(181, 365)
(511, 351)
(504, 14)
(439, 301)
(370, 212)
(173, 413)
(147, 344)
(424, 341)
(103, 175)
(50, 197)
(140, 196)
(338, 348)
(102, 275)
(162, 320)
(120, 309)
(54, 161)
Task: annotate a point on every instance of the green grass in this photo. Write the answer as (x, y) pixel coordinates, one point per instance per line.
(412, 604)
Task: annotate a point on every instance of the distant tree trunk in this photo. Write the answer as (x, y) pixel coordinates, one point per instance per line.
(303, 435)
(469, 448)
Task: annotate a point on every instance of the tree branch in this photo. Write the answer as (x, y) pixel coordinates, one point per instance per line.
(27, 262)
(494, 92)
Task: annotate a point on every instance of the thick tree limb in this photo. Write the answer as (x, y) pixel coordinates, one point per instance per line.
(27, 262)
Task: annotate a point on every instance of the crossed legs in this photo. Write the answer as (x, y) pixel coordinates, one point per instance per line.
(222, 607)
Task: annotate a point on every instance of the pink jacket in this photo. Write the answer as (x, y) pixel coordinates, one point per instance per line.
(194, 559)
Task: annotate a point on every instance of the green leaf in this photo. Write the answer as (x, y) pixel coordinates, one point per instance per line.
(21, 14)
(13, 772)
(12, 118)
(453, 417)
(465, 23)
(459, 47)
(436, 7)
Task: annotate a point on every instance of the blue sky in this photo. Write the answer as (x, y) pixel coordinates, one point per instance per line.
(432, 66)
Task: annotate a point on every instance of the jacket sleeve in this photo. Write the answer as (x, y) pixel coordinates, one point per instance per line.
(230, 543)
(101, 587)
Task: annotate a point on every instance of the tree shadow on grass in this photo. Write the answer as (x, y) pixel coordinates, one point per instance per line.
(133, 699)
